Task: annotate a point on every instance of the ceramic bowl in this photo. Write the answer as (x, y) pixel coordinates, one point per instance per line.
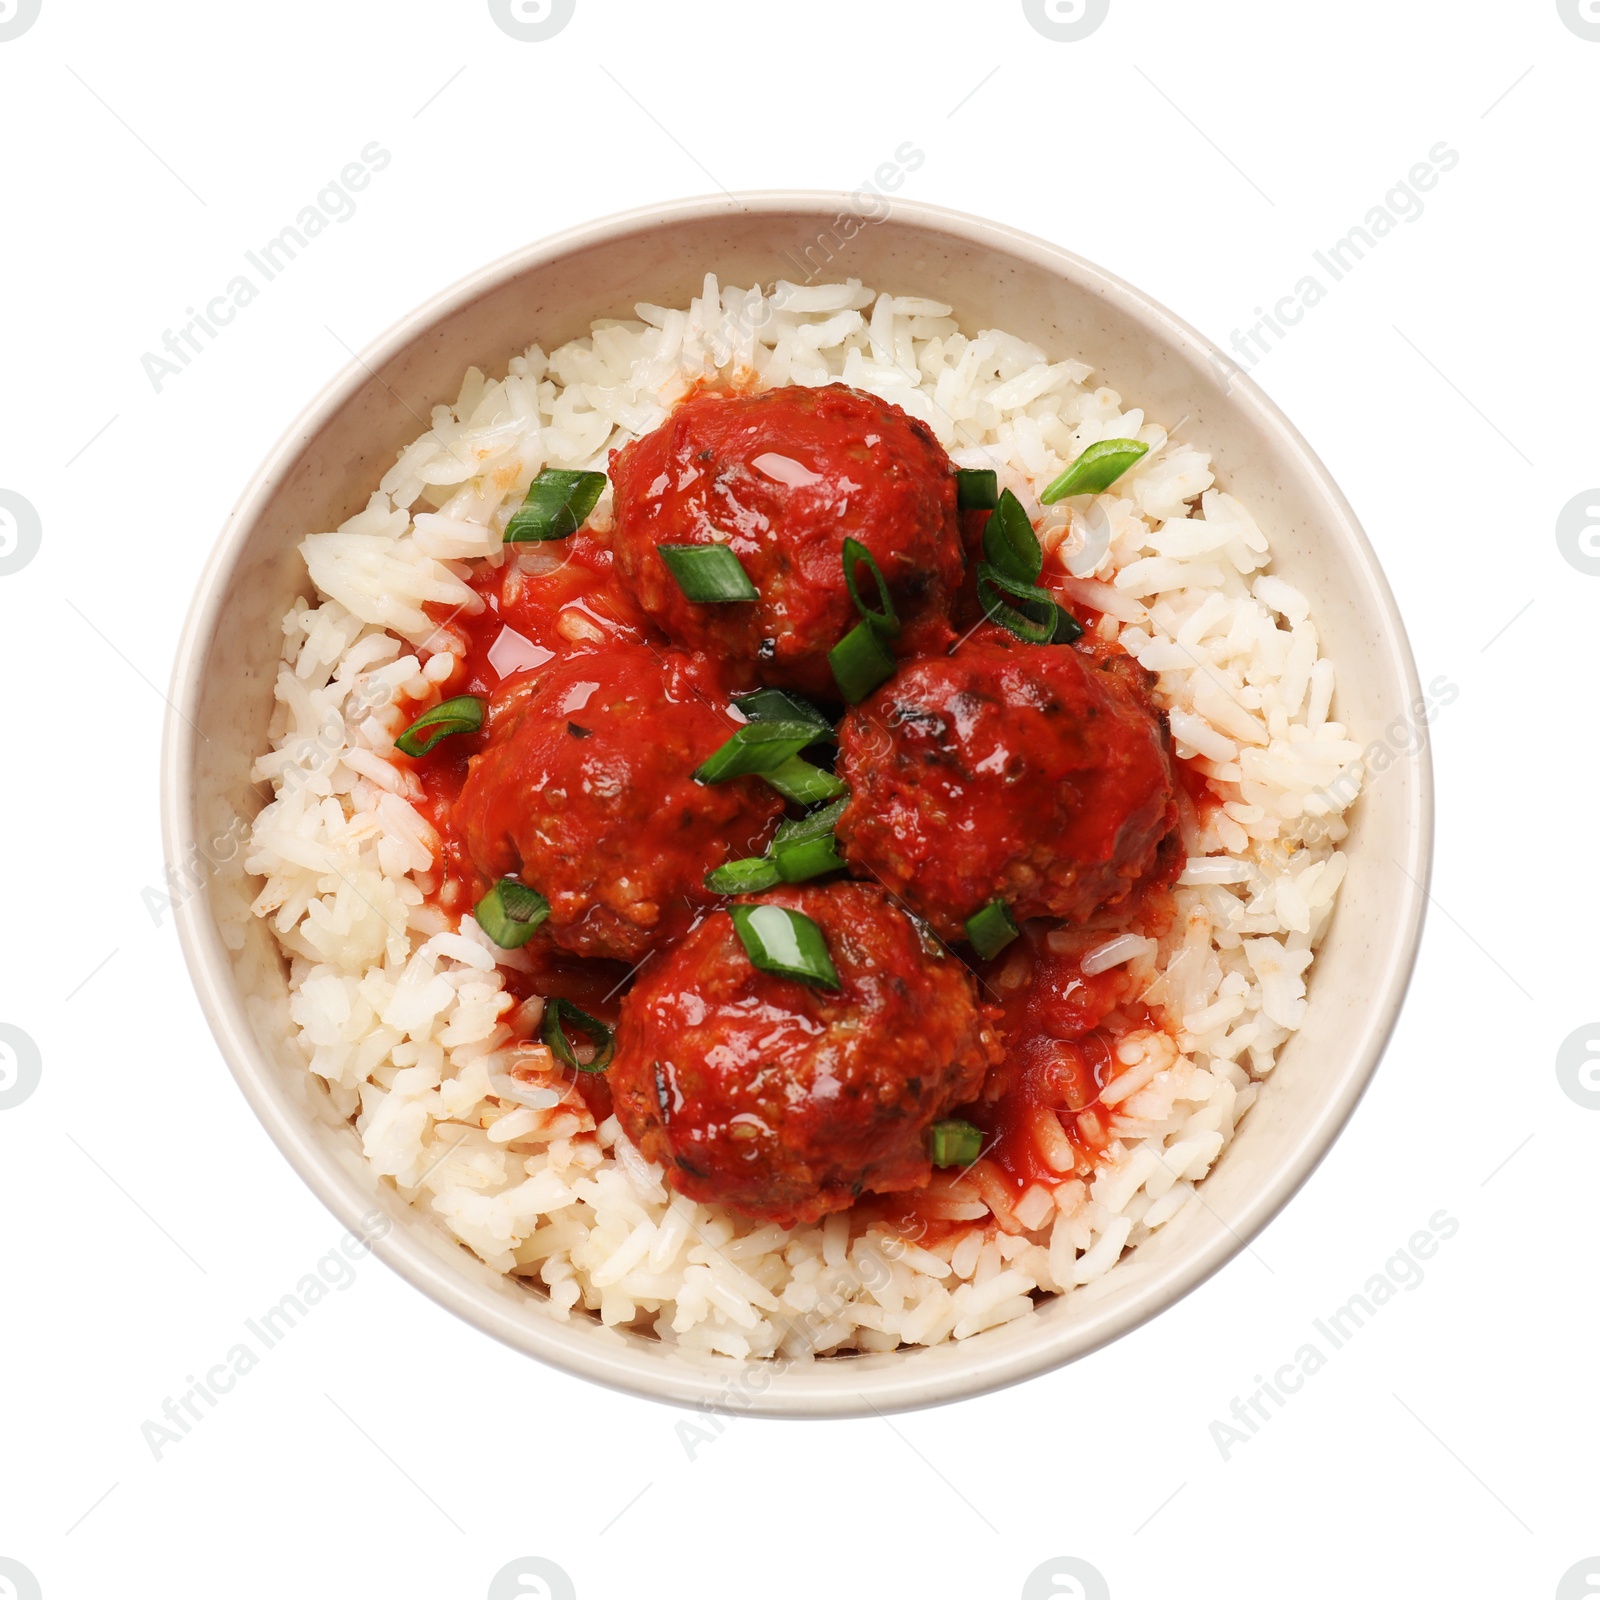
(324, 469)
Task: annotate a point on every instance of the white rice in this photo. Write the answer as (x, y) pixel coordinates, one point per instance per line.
(402, 1012)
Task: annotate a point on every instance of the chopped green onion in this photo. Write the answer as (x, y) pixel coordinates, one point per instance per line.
(1036, 619)
(557, 1015)
(953, 1143)
(511, 913)
(1015, 559)
(1068, 628)
(1010, 542)
(756, 747)
(557, 505)
(708, 572)
(856, 554)
(778, 705)
(786, 943)
(977, 488)
(1096, 469)
(814, 825)
(799, 859)
(860, 662)
(992, 929)
(803, 783)
(1033, 621)
(750, 875)
(464, 714)
(785, 862)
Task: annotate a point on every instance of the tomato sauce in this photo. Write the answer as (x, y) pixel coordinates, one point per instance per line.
(1039, 1109)
(544, 602)
(1061, 1030)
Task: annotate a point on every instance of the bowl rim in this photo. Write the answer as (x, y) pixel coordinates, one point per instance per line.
(576, 1347)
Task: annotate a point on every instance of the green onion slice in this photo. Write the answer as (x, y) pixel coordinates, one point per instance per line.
(815, 825)
(953, 1143)
(992, 929)
(561, 1014)
(786, 943)
(885, 621)
(803, 783)
(1068, 628)
(778, 705)
(1096, 469)
(708, 572)
(977, 488)
(756, 747)
(860, 662)
(1010, 542)
(800, 859)
(464, 714)
(793, 856)
(1033, 619)
(750, 875)
(511, 913)
(558, 504)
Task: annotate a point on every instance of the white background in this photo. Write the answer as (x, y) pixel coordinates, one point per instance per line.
(1202, 150)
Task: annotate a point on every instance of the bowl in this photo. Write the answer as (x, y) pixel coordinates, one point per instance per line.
(322, 472)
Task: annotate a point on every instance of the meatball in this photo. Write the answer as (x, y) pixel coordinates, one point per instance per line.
(585, 790)
(1037, 774)
(783, 478)
(786, 1101)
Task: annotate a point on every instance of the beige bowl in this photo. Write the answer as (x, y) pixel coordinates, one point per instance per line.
(324, 470)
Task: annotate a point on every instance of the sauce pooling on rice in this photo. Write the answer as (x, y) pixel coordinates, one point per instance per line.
(808, 981)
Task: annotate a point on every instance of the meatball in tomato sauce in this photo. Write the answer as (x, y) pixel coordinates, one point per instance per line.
(1037, 774)
(786, 1101)
(585, 792)
(782, 478)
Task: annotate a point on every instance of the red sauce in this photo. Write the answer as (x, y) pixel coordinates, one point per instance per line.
(1061, 1030)
(1039, 1108)
(531, 605)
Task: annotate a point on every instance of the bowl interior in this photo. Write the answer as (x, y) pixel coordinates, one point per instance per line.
(325, 469)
